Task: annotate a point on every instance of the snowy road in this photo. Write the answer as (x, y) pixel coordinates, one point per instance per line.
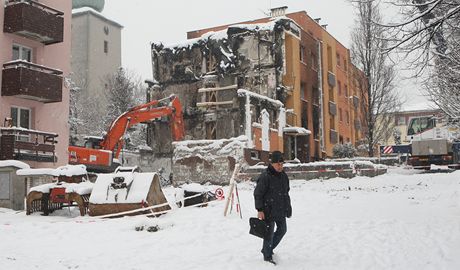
(400, 220)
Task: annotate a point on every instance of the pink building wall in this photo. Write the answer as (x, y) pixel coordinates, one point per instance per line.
(51, 117)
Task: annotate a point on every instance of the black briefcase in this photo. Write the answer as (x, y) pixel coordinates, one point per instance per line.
(258, 227)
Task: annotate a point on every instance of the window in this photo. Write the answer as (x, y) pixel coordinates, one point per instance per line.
(331, 94)
(347, 114)
(21, 118)
(346, 91)
(106, 46)
(421, 124)
(314, 64)
(302, 54)
(401, 120)
(340, 115)
(345, 64)
(329, 58)
(302, 91)
(332, 122)
(338, 59)
(22, 53)
(339, 86)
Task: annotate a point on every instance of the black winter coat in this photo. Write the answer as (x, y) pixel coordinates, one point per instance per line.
(272, 194)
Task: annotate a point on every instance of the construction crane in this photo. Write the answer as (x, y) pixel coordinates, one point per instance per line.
(98, 153)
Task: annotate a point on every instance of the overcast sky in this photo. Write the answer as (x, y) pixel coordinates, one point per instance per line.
(147, 21)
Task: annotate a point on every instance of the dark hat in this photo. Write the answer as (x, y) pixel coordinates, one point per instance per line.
(277, 156)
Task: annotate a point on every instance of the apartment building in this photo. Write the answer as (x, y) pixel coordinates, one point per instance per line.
(34, 101)
(96, 48)
(286, 59)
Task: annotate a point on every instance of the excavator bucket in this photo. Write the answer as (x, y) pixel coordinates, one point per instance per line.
(123, 192)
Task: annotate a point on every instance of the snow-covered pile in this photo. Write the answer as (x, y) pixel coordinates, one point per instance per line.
(209, 150)
(136, 190)
(400, 220)
(327, 164)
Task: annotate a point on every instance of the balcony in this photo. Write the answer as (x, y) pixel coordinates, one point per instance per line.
(35, 21)
(25, 144)
(30, 81)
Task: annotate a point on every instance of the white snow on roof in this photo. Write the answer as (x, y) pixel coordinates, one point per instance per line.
(299, 130)
(82, 188)
(14, 163)
(423, 106)
(223, 34)
(218, 35)
(67, 170)
(14, 128)
(78, 11)
(139, 188)
(244, 92)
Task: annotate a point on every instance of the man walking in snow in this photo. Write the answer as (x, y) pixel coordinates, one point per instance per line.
(273, 203)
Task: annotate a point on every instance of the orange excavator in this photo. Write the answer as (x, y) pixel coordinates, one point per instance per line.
(99, 153)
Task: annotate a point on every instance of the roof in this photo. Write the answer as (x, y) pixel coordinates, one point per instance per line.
(89, 11)
(14, 163)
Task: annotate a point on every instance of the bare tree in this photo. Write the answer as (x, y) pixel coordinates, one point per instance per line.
(430, 32)
(425, 25)
(379, 98)
(124, 91)
(84, 112)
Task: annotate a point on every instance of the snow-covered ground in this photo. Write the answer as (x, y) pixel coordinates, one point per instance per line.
(401, 220)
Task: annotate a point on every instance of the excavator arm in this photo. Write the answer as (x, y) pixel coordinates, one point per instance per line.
(113, 140)
(169, 106)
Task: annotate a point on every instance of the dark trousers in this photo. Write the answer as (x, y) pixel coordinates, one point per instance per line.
(274, 237)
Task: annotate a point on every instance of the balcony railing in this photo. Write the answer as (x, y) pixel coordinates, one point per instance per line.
(30, 81)
(34, 20)
(26, 144)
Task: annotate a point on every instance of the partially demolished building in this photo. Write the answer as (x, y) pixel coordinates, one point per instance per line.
(272, 80)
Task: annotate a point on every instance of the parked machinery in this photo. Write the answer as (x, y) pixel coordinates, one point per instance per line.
(98, 153)
(430, 143)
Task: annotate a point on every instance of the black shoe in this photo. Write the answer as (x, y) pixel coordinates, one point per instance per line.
(270, 260)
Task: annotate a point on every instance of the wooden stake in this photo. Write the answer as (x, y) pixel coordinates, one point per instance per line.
(231, 187)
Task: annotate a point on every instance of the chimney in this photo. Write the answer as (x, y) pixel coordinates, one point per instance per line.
(324, 26)
(317, 20)
(278, 11)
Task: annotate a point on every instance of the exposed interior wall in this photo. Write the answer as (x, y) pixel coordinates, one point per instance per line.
(206, 75)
